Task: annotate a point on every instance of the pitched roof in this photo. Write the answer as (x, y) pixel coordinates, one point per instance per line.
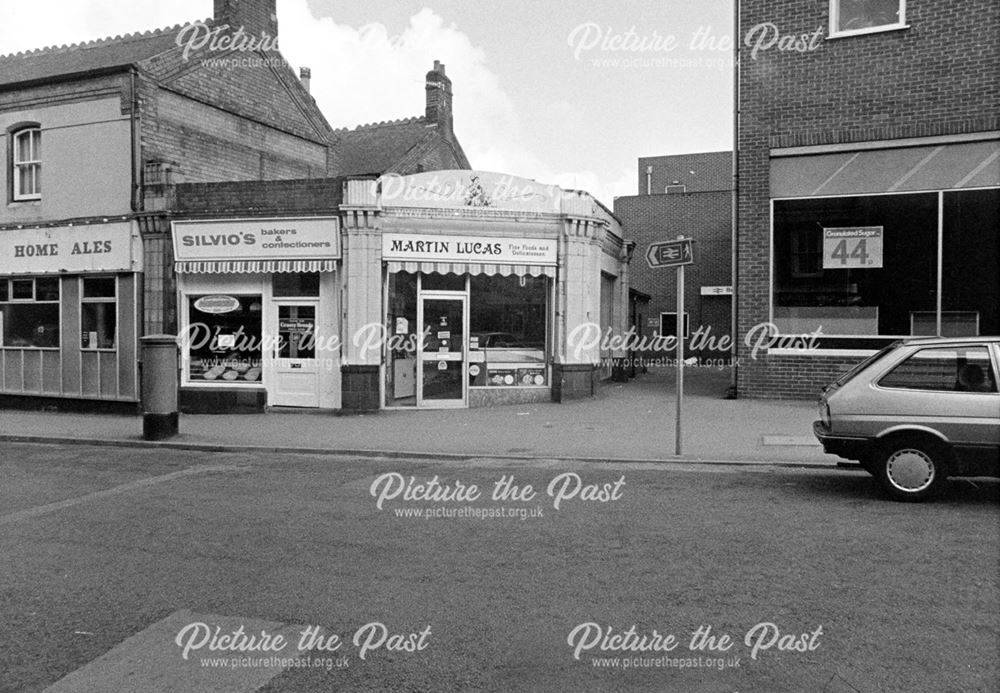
(400, 146)
(159, 56)
(117, 51)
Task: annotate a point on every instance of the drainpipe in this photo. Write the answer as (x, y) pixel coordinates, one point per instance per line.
(732, 392)
(136, 196)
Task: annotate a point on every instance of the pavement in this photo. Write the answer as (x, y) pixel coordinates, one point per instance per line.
(633, 421)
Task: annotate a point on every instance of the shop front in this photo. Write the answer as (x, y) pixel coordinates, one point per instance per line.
(871, 246)
(69, 305)
(259, 313)
(486, 281)
(469, 318)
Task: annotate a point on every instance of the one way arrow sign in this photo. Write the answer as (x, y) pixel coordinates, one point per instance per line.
(671, 253)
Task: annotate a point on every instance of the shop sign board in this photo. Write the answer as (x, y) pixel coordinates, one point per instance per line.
(717, 290)
(84, 248)
(217, 304)
(852, 247)
(257, 239)
(488, 250)
(670, 253)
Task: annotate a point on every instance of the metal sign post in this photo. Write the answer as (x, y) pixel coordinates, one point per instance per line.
(680, 356)
(675, 254)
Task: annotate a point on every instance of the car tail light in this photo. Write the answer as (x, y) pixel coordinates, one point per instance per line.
(824, 413)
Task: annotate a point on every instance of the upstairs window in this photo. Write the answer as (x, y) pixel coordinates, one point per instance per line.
(866, 16)
(27, 164)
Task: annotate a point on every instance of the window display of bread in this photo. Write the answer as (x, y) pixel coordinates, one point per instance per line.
(252, 374)
(230, 375)
(214, 372)
(242, 367)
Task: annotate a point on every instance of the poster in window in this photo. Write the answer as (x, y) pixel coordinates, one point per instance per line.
(850, 247)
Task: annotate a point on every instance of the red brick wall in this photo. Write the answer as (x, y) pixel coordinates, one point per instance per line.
(938, 77)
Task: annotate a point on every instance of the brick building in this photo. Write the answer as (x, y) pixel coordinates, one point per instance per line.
(689, 194)
(86, 264)
(869, 178)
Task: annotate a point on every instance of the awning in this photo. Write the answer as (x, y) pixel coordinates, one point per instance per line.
(252, 266)
(472, 268)
(906, 169)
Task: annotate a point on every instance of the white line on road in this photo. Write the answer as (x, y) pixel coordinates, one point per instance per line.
(151, 661)
(124, 488)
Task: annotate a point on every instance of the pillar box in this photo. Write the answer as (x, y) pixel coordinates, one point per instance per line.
(159, 386)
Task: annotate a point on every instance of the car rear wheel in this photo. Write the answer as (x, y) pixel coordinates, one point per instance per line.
(912, 470)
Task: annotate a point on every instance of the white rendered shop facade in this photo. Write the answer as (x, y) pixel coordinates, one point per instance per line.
(442, 289)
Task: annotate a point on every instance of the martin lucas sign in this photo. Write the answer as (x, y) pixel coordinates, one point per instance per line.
(488, 250)
(69, 249)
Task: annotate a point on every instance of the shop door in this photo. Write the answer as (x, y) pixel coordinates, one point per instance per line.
(441, 360)
(296, 369)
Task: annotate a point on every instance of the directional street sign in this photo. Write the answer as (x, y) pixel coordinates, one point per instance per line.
(671, 253)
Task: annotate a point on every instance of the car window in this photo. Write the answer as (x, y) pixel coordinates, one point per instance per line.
(864, 364)
(944, 369)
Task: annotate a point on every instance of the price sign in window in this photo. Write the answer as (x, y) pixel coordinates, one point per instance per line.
(852, 247)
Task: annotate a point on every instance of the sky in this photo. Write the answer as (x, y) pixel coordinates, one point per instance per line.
(570, 92)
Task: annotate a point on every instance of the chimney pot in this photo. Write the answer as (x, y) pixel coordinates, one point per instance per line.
(305, 76)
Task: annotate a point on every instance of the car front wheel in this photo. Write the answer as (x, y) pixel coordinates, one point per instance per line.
(912, 470)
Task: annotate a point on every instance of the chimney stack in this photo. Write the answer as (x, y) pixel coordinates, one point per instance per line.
(257, 17)
(305, 75)
(438, 109)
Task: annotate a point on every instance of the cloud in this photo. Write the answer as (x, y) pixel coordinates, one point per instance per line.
(366, 74)
(359, 74)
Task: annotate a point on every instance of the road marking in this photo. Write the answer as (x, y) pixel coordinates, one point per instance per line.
(802, 441)
(150, 661)
(117, 490)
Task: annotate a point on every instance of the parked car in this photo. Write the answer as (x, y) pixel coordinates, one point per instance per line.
(916, 413)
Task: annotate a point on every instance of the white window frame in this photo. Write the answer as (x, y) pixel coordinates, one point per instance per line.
(34, 162)
(835, 20)
(102, 299)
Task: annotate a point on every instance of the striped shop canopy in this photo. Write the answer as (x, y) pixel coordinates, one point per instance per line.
(252, 266)
(471, 268)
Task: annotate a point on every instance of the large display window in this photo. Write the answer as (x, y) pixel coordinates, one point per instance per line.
(859, 271)
(508, 331)
(507, 335)
(225, 339)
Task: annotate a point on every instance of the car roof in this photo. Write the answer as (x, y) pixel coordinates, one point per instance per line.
(950, 340)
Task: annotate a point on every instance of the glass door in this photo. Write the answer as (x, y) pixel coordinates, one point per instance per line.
(441, 355)
(296, 370)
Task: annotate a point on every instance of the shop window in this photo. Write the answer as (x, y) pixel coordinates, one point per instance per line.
(401, 334)
(944, 370)
(223, 339)
(877, 274)
(29, 313)
(27, 164)
(875, 262)
(99, 313)
(508, 331)
(295, 284)
(970, 268)
(865, 16)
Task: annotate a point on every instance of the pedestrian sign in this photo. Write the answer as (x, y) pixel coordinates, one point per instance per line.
(671, 253)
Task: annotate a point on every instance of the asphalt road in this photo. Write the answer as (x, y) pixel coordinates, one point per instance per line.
(149, 571)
